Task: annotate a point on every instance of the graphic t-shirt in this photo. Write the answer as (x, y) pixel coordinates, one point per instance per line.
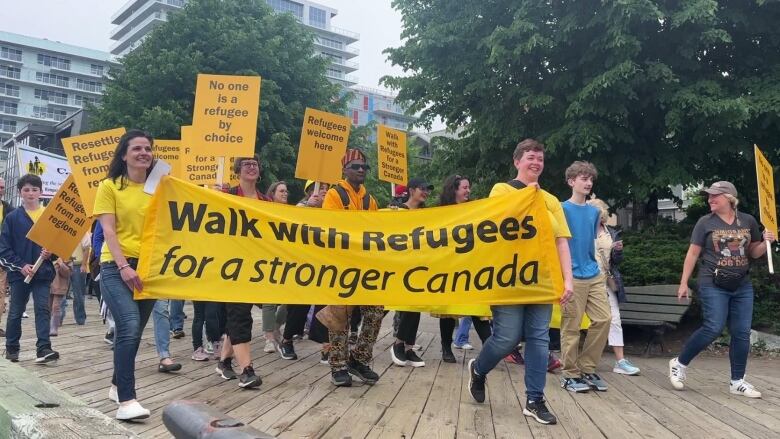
(724, 245)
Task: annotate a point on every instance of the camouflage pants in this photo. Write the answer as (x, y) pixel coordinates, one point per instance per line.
(339, 348)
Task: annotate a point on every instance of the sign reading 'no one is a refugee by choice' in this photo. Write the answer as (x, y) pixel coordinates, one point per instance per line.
(224, 120)
(323, 143)
(89, 156)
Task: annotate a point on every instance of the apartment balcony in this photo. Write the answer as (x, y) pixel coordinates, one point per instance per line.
(6, 94)
(342, 50)
(12, 58)
(341, 78)
(138, 16)
(59, 68)
(347, 36)
(29, 78)
(132, 5)
(346, 66)
(37, 113)
(135, 32)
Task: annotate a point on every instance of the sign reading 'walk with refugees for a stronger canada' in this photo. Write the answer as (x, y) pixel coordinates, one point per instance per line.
(391, 155)
(199, 244)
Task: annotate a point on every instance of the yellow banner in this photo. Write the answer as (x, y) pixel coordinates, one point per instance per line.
(766, 191)
(324, 140)
(63, 223)
(391, 155)
(224, 118)
(200, 244)
(89, 156)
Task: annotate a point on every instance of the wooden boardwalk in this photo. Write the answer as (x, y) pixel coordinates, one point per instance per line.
(297, 399)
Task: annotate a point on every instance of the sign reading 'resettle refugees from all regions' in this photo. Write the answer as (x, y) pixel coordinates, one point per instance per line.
(63, 223)
(89, 156)
(766, 191)
(323, 143)
(224, 120)
(391, 155)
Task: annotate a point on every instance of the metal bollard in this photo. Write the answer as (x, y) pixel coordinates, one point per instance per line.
(196, 420)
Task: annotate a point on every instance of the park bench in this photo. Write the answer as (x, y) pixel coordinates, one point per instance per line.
(654, 308)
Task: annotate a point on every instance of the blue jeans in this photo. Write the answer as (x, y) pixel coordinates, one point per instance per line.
(721, 307)
(462, 334)
(510, 324)
(162, 328)
(20, 295)
(130, 317)
(78, 287)
(177, 314)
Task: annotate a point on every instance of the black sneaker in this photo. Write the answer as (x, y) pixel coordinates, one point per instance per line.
(47, 356)
(109, 338)
(446, 354)
(363, 372)
(178, 333)
(225, 369)
(248, 379)
(2, 331)
(476, 383)
(538, 410)
(13, 357)
(412, 359)
(287, 351)
(398, 354)
(324, 357)
(341, 378)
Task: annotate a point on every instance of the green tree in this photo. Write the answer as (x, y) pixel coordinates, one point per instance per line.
(155, 88)
(652, 92)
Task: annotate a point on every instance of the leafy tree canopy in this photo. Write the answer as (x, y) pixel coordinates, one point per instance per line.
(155, 88)
(652, 92)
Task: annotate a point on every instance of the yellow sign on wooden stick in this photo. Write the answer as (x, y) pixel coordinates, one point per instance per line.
(392, 155)
(170, 152)
(766, 191)
(200, 167)
(89, 156)
(323, 144)
(63, 223)
(224, 119)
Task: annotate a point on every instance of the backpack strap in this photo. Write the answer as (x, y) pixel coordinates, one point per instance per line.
(366, 201)
(343, 195)
(517, 184)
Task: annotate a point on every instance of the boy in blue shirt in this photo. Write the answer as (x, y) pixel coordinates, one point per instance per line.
(590, 293)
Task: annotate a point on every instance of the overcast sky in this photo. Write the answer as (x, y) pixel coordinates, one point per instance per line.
(87, 23)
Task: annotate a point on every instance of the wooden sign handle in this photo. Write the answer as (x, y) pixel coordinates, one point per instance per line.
(35, 268)
(769, 257)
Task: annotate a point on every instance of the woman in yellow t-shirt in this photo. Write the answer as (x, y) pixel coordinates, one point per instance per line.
(121, 204)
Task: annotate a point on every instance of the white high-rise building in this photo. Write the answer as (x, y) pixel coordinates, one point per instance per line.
(137, 18)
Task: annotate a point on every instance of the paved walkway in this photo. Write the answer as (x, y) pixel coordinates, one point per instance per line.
(297, 400)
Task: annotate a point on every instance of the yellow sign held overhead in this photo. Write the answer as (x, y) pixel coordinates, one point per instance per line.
(63, 223)
(224, 119)
(323, 143)
(392, 155)
(201, 168)
(766, 191)
(170, 152)
(89, 156)
(199, 244)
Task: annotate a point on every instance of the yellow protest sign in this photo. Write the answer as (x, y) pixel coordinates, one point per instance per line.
(170, 152)
(766, 191)
(324, 140)
(200, 244)
(89, 156)
(391, 155)
(224, 119)
(201, 167)
(63, 223)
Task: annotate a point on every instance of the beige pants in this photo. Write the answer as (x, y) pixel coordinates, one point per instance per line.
(590, 297)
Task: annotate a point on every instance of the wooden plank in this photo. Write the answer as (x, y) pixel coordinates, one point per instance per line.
(652, 309)
(673, 318)
(654, 290)
(475, 420)
(439, 417)
(661, 300)
(505, 406)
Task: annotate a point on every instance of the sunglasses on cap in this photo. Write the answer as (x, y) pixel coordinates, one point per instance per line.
(357, 166)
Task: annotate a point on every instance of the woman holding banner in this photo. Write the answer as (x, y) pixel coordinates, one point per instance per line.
(722, 242)
(120, 205)
(239, 315)
(456, 189)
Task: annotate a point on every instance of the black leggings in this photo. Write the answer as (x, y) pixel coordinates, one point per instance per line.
(211, 314)
(447, 327)
(408, 322)
(296, 320)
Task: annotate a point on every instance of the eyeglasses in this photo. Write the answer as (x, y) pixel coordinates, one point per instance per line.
(250, 164)
(357, 166)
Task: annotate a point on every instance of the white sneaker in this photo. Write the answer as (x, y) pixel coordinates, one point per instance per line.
(113, 395)
(209, 348)
(676, 374)
(744, 388)
(464, 346)
(25, 315)
(625, 367)
(131, 411)
(270, 346)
